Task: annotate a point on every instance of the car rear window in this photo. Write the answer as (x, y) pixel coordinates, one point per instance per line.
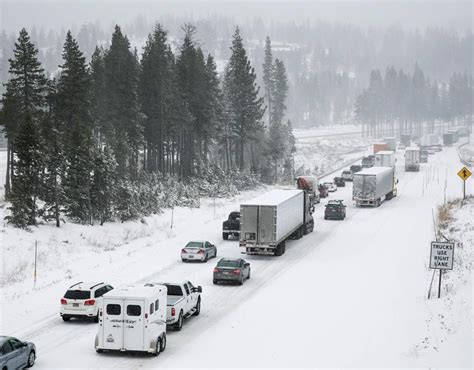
(77, 294)
(228, 263)
(174, 290)
(134, 310)
(193, 245)
(114, 309)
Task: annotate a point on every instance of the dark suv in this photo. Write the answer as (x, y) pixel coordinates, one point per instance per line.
(335, 209)
(340, 182)
(231, 227)
(356, 168)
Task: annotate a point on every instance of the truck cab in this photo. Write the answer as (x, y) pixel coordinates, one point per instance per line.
(231, 227)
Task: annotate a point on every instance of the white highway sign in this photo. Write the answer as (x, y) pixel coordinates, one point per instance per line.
(442, 255)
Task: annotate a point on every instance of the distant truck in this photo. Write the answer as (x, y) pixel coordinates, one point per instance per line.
(310, 185)
(132, 318)
(231, 227)
(412, 159)
(391, 143)
(378, 147)
(405, 139)
(385, 158)
(272, 218)
(183, 301)
(455, 134)
(448, 139)
(373, 185)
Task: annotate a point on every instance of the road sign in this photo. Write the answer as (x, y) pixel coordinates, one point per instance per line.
(464, 173)
(442, 255)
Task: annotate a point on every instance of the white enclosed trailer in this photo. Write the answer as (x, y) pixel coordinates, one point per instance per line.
(267, 221)
(133, 318)
(385, 158)
(412, 159)
(372, 186)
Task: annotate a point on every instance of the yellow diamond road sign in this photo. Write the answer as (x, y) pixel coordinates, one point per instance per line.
(464, 173)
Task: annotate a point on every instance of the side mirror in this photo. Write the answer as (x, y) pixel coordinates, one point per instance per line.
(199, 289)
(24, 344)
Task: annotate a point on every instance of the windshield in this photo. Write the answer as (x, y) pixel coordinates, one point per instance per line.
(228, 263)
(194, 245)
(77, 294)
(234, 216)
(174, 290)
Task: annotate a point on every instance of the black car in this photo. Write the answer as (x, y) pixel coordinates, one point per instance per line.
(356, 168)
(368, 161)
(231, 227)
(231, 270)
(335, 209)
(340, 182)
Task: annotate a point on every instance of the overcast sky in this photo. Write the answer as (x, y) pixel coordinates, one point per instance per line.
(15, 14)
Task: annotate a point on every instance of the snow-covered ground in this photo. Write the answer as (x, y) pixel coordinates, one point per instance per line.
(352, 293)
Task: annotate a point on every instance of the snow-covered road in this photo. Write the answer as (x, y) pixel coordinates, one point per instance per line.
(352, 293)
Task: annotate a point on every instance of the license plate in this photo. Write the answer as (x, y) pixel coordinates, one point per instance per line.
(75, 305)
(225, 273)
(191, 256)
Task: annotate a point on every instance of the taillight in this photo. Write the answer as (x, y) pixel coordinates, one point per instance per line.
(184, 251)
(89, 302)
(216, 270)
(173, 311)
(237, 272)
(201, 251)
(63, 301)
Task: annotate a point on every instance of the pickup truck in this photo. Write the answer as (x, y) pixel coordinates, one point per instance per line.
(184, 300)
(231, 227)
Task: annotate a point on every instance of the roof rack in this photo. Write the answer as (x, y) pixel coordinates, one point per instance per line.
(93, 286)
(75, 284)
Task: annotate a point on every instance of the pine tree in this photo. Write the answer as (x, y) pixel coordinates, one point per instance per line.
(103, 185)
(26, 183)
(122, 113)
(98, 96)
(279, 92)
(245, 105)
(73, 111)
(24, 96)
(268, 74)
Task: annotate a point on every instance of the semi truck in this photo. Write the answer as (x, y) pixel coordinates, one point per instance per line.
(448, 139)
(455, 134)
(391, 143)
(268, 221)
(379, 147)
(405, 139)
(374, 185)
(385, 158)
(412, 159)
(310, 185)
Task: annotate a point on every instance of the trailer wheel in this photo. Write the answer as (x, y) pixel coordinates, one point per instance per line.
(225, 236)
(157, 347)
(98, 350)
(163, 343)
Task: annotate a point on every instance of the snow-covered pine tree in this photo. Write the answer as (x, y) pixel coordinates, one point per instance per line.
(73, 112)
(122, 114)
(24, 96)
(103, 184)
(243, 97)
(268, 74)
(28, 165)
(98, 94)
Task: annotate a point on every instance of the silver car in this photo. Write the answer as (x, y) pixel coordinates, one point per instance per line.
(231, 270)
(15, 354)
(198, 251)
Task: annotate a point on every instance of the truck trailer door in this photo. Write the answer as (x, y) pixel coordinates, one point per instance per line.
(266, 225)
(248, 223)
(112, 319)
(134, 330)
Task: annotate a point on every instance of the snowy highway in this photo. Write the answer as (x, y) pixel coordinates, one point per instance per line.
(352, 293)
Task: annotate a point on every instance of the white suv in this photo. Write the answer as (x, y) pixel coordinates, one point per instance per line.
(80, 300)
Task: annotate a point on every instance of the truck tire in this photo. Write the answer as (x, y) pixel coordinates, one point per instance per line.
(198, 308)
(66, 318)
(179, 324)
(225, 236)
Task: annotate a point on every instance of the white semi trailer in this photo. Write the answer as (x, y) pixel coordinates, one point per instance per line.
(385, 158)
(372, 186)
(267, 221)
(412, 159)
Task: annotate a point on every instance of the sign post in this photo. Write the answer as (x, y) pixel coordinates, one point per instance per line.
(464, 174)
(441, 258)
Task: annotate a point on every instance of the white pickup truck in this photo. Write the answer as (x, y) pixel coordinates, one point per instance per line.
(184, 300)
